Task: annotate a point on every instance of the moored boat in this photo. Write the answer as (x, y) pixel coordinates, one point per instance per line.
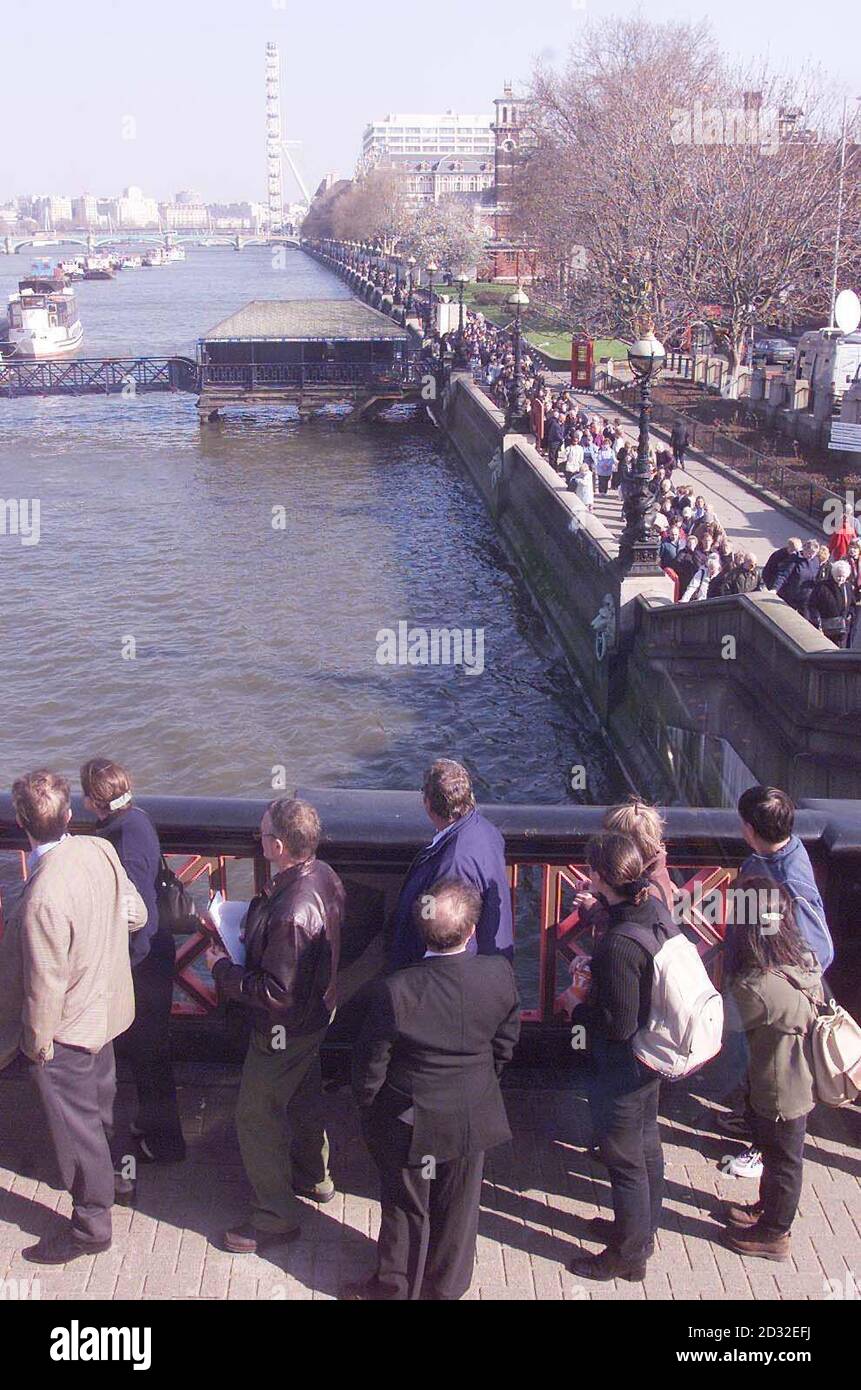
(42, 318)
(98, 268)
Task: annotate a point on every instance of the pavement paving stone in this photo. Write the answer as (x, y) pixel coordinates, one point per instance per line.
(536, 1196)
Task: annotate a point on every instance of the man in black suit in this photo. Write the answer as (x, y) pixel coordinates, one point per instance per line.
(426, 1071)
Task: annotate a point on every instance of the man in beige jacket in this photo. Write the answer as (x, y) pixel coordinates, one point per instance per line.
(70, 934)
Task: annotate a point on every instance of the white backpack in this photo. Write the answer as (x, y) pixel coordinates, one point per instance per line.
(685, 1026)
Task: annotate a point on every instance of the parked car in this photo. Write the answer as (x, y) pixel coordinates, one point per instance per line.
(774, 352)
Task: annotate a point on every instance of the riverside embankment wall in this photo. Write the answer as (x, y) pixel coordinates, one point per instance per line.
(696, 698)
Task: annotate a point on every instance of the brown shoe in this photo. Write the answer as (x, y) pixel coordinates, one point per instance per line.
(736, 1215)
(247, 1240)
(760, 1241)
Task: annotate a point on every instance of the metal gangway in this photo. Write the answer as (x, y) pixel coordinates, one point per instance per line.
(103, 376)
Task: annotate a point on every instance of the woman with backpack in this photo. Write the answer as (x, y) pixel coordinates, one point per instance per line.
(623, 1093)
(107, 791)
(775, 982)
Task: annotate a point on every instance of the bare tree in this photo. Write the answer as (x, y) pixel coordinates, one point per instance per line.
(374, 209)
(697, 191)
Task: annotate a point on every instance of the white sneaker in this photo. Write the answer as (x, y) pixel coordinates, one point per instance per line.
(746, 1165)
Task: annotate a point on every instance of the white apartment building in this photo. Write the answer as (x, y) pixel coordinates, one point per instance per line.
(85, 211)
(449, 134)
(52, 210)
(134, 210)
(188, 217)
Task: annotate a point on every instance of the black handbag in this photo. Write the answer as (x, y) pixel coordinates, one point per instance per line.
(176, 909)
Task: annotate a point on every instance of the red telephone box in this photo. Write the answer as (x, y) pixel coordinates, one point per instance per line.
(582, 356)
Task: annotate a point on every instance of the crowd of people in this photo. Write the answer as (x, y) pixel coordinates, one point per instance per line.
(85, 958)
(820, 581)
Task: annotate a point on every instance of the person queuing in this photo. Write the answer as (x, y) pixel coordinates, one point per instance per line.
(780, 565)
(107, 792)
(832, 603)
(643, 823)
(623, 1094)
(680, 441)
(426, 1070)
(775, 981)
(465, 846)
(767, 816)
(288, 986)
(70, 934)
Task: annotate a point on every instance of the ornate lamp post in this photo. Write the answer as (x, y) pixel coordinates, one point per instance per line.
(397, 297)
(638, 548)
(432, 269)
(411, 265)
(518, 301)
(461, 280)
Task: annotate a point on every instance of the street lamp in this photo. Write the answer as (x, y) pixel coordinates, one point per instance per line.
(518, 301)
(432, 269)
(411, 265)
(638, 548)
(461, 280)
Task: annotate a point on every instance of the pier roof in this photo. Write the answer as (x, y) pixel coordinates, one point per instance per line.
(306, 320)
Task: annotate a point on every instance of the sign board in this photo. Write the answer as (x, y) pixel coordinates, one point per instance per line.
(846, 437)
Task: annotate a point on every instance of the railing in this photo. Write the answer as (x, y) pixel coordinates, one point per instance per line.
(298, 374)
(787, 483)
(371, 837)
(98, 376)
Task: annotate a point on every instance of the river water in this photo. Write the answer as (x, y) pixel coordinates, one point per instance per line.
(163, 620)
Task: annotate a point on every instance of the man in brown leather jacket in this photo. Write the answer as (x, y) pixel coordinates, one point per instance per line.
(292, 938)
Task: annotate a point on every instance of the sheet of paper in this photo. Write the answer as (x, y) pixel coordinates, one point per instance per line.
(228, 915)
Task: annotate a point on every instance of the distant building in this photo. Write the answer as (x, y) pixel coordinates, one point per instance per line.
(425, 137)
(246, 217)
(134, 210)
(508, 258)
(88, 211)
(51, 211)
(189, 217)
(429, 180)
(512, 135)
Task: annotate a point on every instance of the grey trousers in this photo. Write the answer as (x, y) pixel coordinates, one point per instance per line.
(77, 1091)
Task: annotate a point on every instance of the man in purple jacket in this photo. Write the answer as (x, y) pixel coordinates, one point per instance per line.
(466, 847)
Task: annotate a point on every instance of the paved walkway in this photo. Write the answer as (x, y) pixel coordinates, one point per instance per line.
(750, 522)
(536, 1195)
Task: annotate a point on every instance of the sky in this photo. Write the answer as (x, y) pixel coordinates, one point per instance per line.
(168, 94)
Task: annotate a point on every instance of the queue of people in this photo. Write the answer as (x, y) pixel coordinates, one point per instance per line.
(435, 1031)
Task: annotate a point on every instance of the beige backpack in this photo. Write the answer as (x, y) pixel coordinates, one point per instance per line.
(835, 1046)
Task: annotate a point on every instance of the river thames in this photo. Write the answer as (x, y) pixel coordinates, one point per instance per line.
(255, 647)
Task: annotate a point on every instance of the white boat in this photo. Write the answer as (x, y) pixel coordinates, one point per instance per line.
(175, 253)
(131, 262)
(156, 256)
(43, 318)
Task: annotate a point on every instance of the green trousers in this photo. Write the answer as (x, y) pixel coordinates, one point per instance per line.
(279, 1120)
